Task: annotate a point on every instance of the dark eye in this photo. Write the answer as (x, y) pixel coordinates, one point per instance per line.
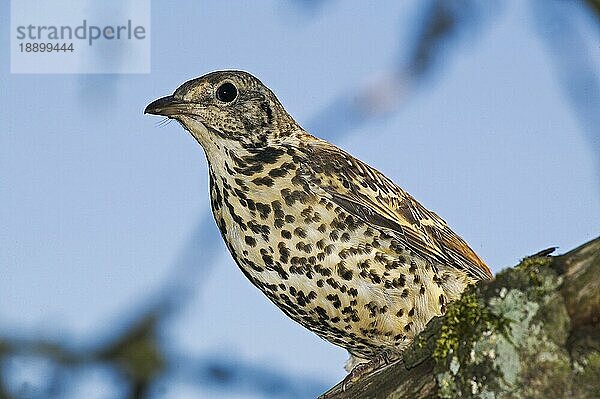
(227, 92)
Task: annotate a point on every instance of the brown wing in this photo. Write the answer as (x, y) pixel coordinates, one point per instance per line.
(368, 194)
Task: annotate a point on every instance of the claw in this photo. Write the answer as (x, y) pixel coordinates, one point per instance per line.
(383, 359)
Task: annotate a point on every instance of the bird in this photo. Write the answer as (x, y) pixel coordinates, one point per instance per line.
(334, 243)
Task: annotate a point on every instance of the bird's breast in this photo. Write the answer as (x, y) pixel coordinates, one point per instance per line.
(325, 268)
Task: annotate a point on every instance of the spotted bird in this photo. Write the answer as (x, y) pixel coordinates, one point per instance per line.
(335, 244)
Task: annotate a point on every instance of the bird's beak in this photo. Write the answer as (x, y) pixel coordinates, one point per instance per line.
(167, 106)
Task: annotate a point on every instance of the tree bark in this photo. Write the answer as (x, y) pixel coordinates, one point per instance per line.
(532, 332)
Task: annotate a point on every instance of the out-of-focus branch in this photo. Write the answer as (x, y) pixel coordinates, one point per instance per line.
(558, 27)
(439, 23)
(137, 355)
(594, 6)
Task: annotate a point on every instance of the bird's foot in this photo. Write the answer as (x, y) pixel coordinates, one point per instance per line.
(383, 359)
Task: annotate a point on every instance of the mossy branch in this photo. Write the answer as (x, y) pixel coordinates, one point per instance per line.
(532, 332)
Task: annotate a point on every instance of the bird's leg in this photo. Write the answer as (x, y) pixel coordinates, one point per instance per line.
(383, 359)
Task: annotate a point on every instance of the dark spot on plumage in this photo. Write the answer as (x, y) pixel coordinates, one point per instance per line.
(375, 278)
(241, 196)
(300, 246)
(282, 273)
(343, 271)
(335, 319)
(393, 265)
(322, 313)
(413, 266)
(263, 210)
(295, 260)
(286, 234)
(307, 212)
(300, 232)
(400, 313)
(399, 281)
(348, 310)
(268, 259)
(404, 293)
(255, 227)
(253, 266)
(241, 184)
(363, 265)
(372, 308)
(266, 155)
(323, 271)
(271, 287)
(237, 160)
(289, 218)
(264, 181)
(422, 290)
(250, 241)
(294, 196)
(352, 223)
(225, 194)
(411, 312)
(267, 108)
(236, 218)
(301, 299)
(416, 279)
(278, 172)
(408, 326)
(277, 211)
(332, 283)
(334, 235)
(278, 223)
(250, 170)
(298, 180)
(335, 300)
(251, 204)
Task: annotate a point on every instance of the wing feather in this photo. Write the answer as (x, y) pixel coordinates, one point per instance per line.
(365, 192)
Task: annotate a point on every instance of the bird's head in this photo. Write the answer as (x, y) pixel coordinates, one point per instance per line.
(227, 109)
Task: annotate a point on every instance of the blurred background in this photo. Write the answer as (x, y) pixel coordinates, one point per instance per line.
(114, 282)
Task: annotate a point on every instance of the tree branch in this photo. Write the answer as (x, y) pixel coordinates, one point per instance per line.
(531, 332)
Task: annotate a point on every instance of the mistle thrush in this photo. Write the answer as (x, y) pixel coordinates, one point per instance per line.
(336, 245)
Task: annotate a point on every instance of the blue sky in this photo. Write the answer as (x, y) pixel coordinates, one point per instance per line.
(98, 204)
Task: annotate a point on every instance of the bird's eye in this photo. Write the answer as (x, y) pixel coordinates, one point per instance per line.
(227, 92)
